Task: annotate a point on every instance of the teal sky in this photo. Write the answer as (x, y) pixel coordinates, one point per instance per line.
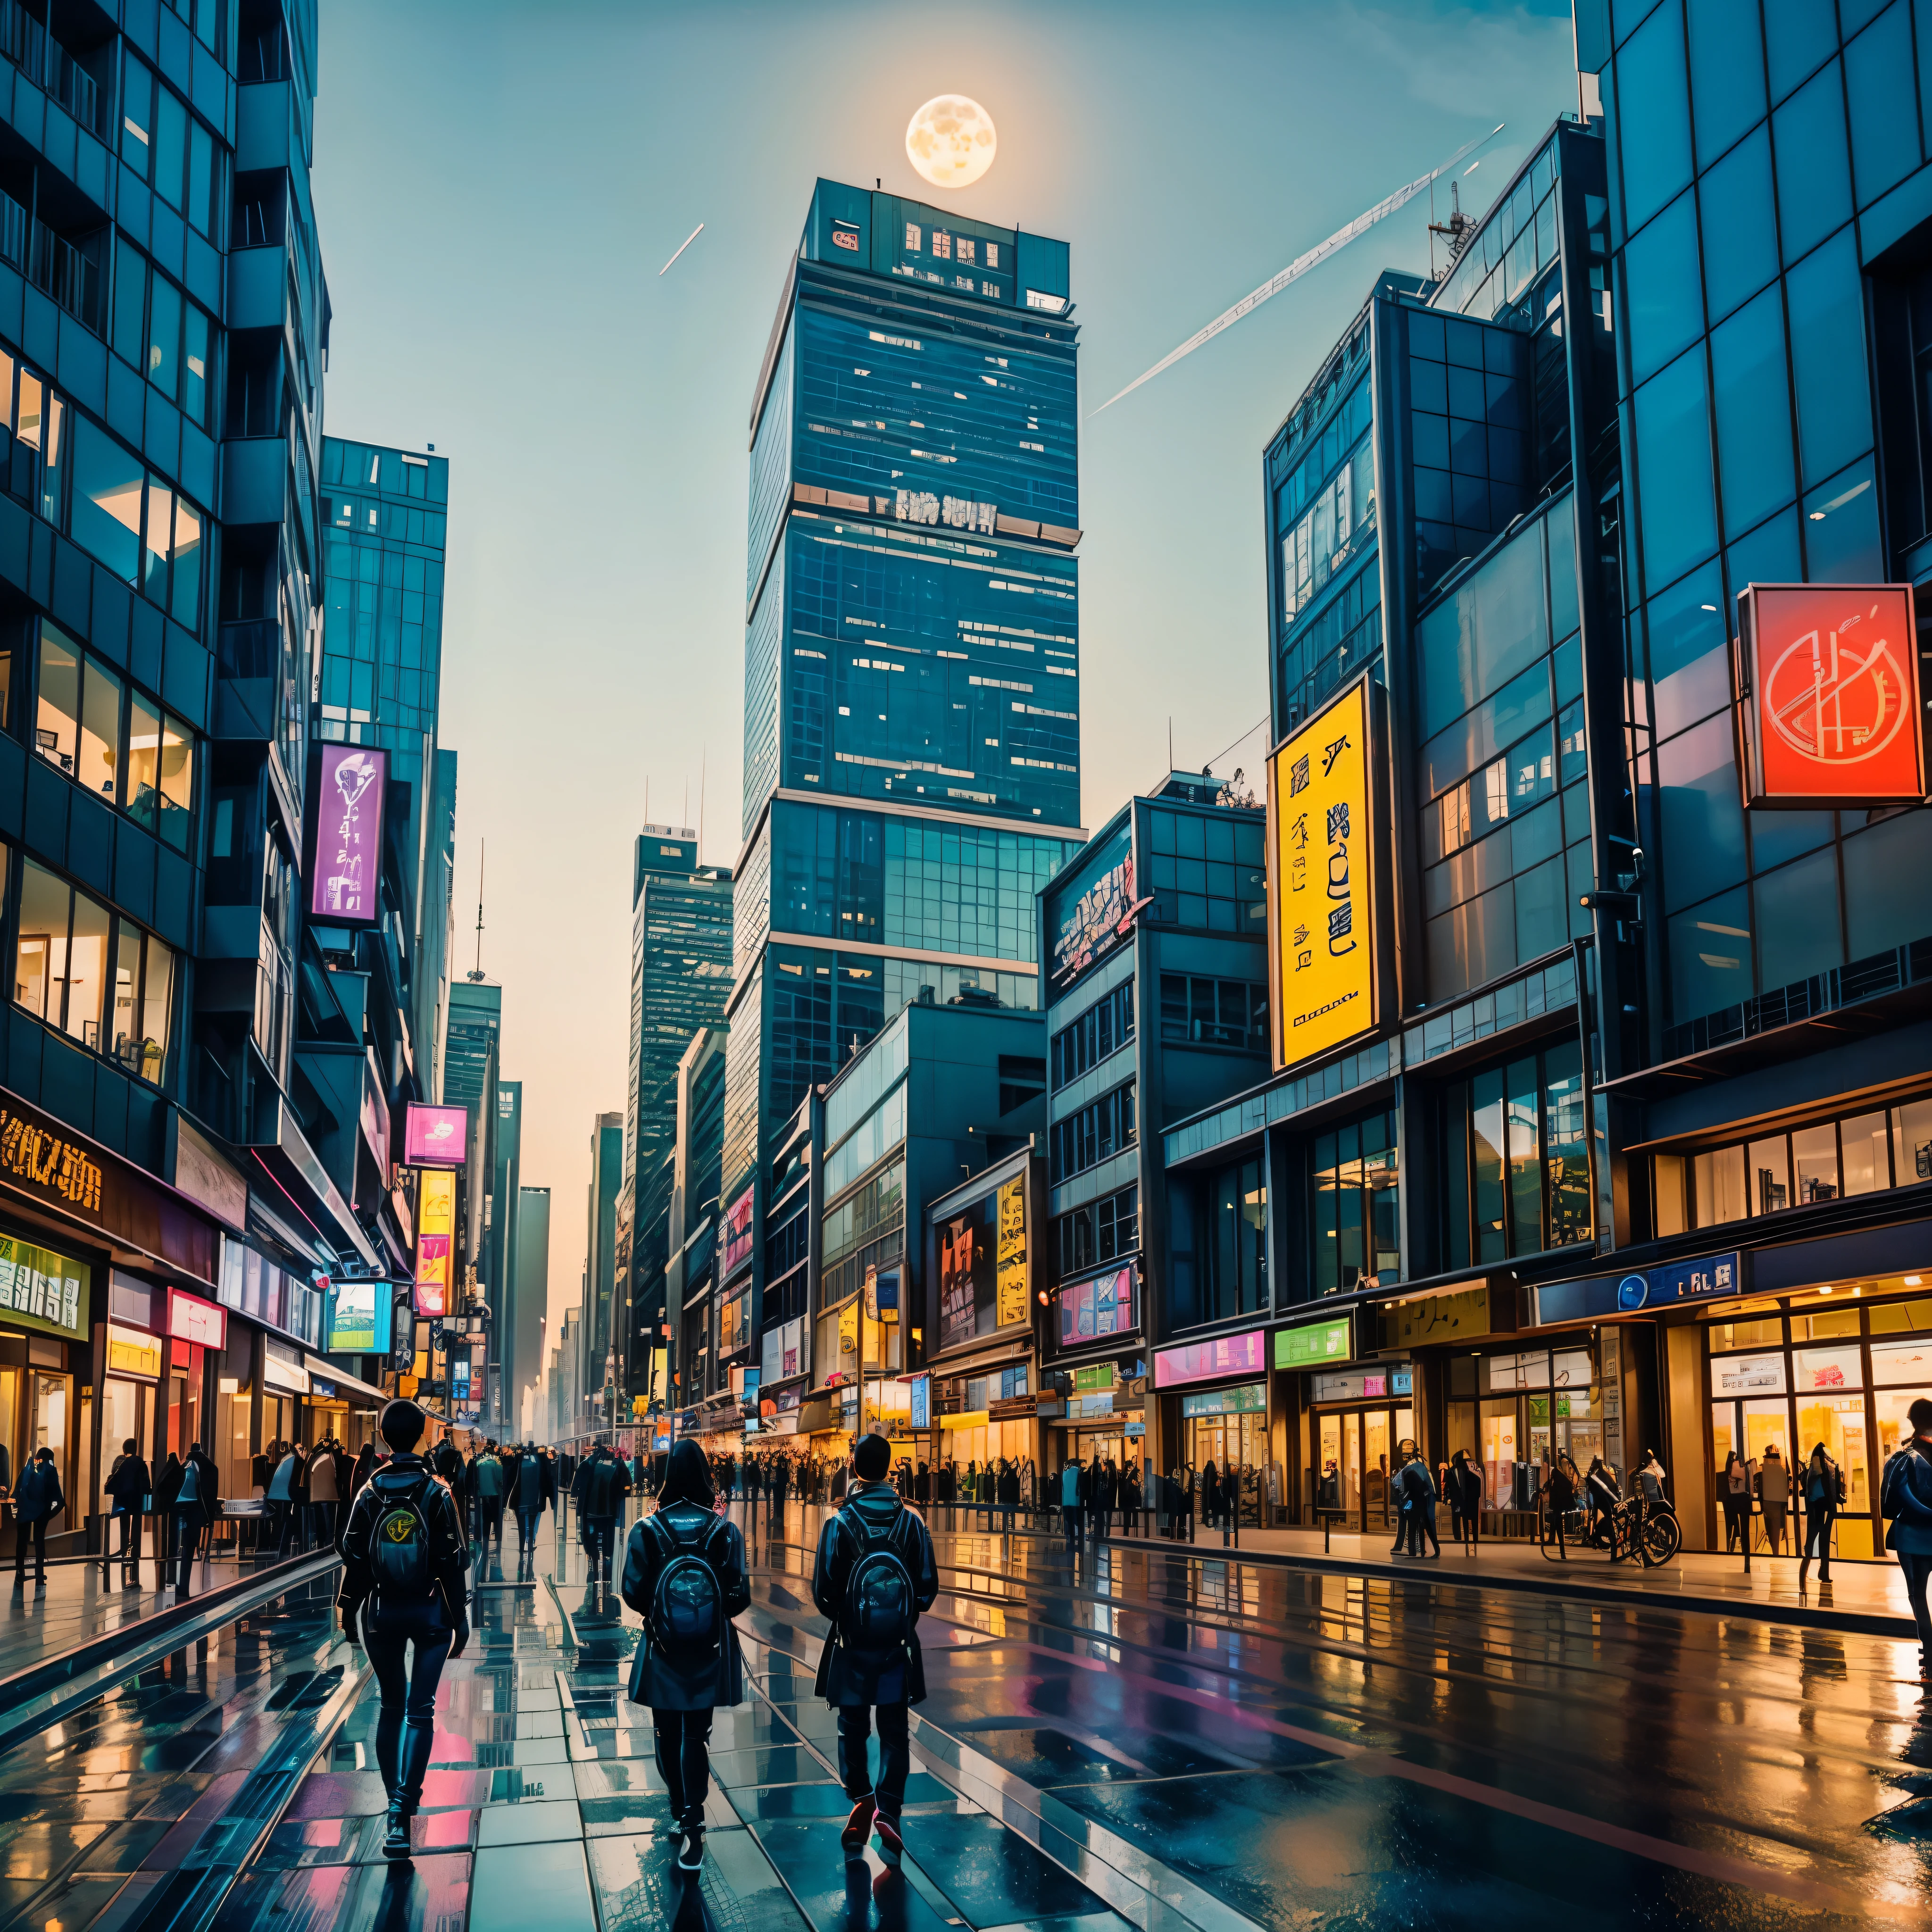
(498, 183)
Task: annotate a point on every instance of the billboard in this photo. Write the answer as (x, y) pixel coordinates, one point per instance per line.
(1241, 1354)
(1827, 687)
(436, 1136)
(1090, 909)
(358, 1317)
(345, 870)
(1091, 1309)
(1010, 1256)
(738, 1233)
(42, 1290)
(1322, 884)
(436, 1230)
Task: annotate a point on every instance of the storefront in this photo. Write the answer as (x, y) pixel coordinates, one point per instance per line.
(46, 1301)
(1214, 1398)
(284, 1393)
(1358, 1420)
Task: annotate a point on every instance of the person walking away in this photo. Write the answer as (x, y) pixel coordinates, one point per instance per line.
(873, 1577)
(781, 1482)
(195, 1501)
(280, 1500)
(601, 1487)
(325, 1494)
(365, 1465)
(404, 1566)
(486, 1473)
(1397, 1492)
(1824, 1495)
(37, 1502)
(1734, 1492)
(167, 1485)
(528, 1492)
(1905, 1502)
(1010, 1495)
(1559, 1499)
(1774, 1492)
(1106, 1484)
(127, 1484)
(299, 1495)
(684, 1575)
(1130, 1499)
(1072, 1480)
(1464, 1488)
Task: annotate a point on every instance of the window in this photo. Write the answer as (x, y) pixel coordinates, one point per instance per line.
(1095, 1133)
(173, 350)
(1022, 1078)
(1218, 1232)
(70, 952)
(1517, 1158)
(1355, 1215)
(1103, 1230)
(83, 710)
(135, 524)
(1205, 870)
(161, 141)
(38, 418)
(1217, 1013)
(1106, 1026)
(1861, 1153)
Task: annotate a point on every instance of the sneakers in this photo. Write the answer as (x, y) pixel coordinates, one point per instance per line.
(858, 1827)
(690, 1848)
(891, 1846)
(396, 1837)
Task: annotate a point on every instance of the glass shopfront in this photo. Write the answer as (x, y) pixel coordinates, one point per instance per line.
(1511, 1412)
(1361, 1417)
(1841, 1373)
(1228, 1427)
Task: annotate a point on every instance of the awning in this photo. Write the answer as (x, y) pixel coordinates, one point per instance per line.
(971, 1418)
(357, 1393)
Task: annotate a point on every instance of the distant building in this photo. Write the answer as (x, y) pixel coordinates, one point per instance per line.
(522, 1328)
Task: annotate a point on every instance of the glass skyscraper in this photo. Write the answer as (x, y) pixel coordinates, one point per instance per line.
(912, 667)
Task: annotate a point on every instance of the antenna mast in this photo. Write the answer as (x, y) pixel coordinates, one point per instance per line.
(482, 847)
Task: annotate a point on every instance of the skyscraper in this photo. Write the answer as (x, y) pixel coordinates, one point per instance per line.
(522, 1328)
(912, 671)
(601, 1297)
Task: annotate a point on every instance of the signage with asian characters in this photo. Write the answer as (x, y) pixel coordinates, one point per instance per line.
(1827, 678)
(1090, 1310)
(41, 1289)
(436, 1136)
(346, 864)
(192, 1319)
(921, 1392)
(738, 1232)
(32, 1152)
(131, 1352)
(1011, 1261)
(435, 1233)
(1458, 1316)
(1246, 1399)
(1321, 880)
(959, 513)
(1090, 908)
(1704, 1277)
(1314, 1345)
(1200, 1361)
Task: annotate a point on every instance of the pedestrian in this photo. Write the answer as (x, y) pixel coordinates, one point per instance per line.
(1072, 1480)
(1734, 1493)
(781, 1482)
(1009, 1494)
(1465, 1491)
(325, 1493)
(365, 1467)
(874, 1576)
(599, 1492)
(127, 1484)
(1396, 1490)
(1652, 1501)
(280, 1500)
(684, 1575)
(487, 1478)
(1823, 1489)
(404, 1566)
(922, 1486)
(196, 1499)
(37, 1502)
(1418, 1491)
(1774, 1494)
(167, 1485)
(1559, 1499)
(528, 1489)
(1905, 1502)
(1130, 1499)
(1106, 1490)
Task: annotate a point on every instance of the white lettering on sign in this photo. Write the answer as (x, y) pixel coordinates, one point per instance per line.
(959, 513)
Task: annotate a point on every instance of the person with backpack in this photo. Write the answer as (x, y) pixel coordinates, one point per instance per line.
(1822, 1489)
(486, 1476)
(684, 1575)
(1072, 1500)
(126, 1484)
(404, 1568)
(196, 1503)
(874, 1575)
(1905, 1502)
(602, 1483)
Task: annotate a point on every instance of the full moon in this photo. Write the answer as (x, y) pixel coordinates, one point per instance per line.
(951, 141)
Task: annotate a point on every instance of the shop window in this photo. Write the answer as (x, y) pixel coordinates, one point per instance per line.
(1102, 1230)
(1356, 1206)
(1515, 1139)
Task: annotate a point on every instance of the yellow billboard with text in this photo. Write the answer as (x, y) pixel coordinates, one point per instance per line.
(1322, 884)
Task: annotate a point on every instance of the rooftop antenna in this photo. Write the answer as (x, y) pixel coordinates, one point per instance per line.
(1456, 231)
(702, 755)
(481, 847)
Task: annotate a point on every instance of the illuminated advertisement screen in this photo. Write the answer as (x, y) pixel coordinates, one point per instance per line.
(42, 1290)
(1827, 679)
(1204, 1361)
(1089, 908)
(1321, 899)
(738, 1232)
(1092, 1309)
(436, 1136)
(346, 863)
(435, 1229)
(359, 1318)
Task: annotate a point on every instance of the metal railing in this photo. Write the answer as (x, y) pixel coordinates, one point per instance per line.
(28, 44)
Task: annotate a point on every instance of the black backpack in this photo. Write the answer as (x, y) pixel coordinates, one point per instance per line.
(880, 1610)
(399, 1542)
(687, 1613)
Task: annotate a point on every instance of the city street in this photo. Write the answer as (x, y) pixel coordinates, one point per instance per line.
(1133, 1734)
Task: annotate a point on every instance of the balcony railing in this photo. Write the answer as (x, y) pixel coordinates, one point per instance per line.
(1867, 978)
(27, 44)
(13, 226)
(55, 265)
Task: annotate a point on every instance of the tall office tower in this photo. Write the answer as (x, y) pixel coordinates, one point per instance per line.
(497, 1270)
(912, 668)
(601, 1299)
(379, 678)
(522, 1328)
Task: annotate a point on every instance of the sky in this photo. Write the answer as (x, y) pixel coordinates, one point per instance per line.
(498, 184)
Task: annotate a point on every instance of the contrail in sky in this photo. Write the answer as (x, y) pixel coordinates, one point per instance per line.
(1300, 265)
(686, 244)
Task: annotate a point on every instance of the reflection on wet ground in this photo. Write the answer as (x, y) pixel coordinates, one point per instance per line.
(1124, 1737)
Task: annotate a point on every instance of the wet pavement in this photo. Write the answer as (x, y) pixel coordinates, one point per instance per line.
(1128, 1736)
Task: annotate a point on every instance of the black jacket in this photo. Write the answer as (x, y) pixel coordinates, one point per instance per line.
(127, 1481)
(657, 1678)
(846, 1677)
(601, 1485)
(449, 1553)
(37, 1496)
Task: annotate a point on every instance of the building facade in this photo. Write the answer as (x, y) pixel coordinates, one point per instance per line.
(912, 646)
(526, 1323)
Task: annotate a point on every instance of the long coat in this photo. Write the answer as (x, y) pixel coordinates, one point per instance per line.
(663, 1682)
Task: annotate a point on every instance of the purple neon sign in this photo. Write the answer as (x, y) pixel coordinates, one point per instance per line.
(346, 873)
